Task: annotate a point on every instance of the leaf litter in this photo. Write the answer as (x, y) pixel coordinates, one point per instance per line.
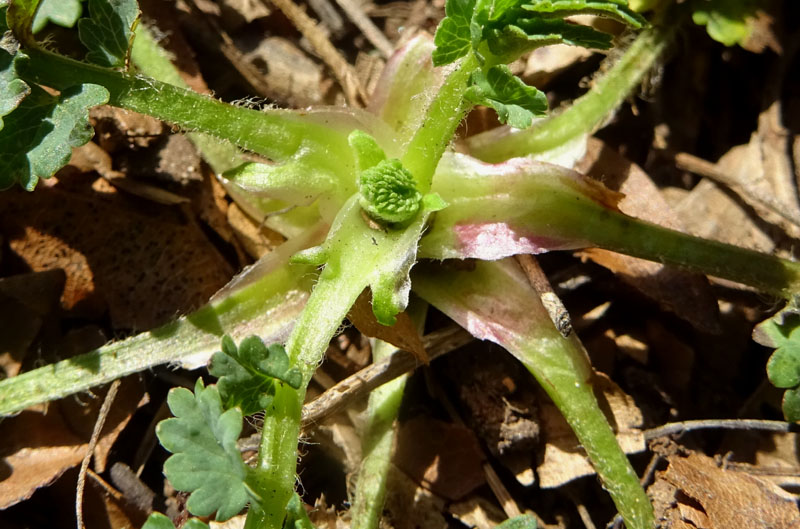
(191, 265)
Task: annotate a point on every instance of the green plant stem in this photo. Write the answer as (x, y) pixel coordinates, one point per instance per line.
(495, 302)
(442, 118)
(275, 134)
(641, 239)
(277, 457)
(587, 113)
(152, 60)
(377, 443)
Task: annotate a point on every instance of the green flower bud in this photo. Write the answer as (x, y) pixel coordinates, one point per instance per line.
(388, 192)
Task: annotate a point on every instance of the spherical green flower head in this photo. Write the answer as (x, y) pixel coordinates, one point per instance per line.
(388, 192)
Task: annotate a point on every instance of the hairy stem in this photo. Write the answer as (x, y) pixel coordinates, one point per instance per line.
(152, 60)
(442, 118)
(277, 456)
(587, 113)
(275, 134)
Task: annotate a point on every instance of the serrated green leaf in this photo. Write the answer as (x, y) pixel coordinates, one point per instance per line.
(523, 521)
(15, 89)
(38, 136)
(515, 102)
(453, 37)
(108, 31)
(527, 34)
(60, 12)
(159, 521)
(205, 460)
(247, 374)
(791, 405)
(615, 9)
(726, 21)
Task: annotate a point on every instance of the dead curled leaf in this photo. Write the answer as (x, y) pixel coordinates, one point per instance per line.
(705, 496)
(402, 334)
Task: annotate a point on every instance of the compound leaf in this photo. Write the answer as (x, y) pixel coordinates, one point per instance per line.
(38, 136)
(515, 102)
(247, 374)
(60, 12)
(205, 460)
(159, 521)
(108, 31)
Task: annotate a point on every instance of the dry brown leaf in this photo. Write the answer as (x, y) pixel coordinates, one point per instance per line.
(477, 512)
(444, 458)
(724, 499)
(709, 212)
(38, 448)
(773, 456)
(564, 460)
(410, 506)
(546, 62)
(25, 301)
(685, 294)
(323, 516)
(403, 334)
(249, 10)
(144, 262)
(291, 77)
(106, 507)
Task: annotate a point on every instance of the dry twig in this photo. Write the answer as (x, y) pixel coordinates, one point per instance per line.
(98, 427)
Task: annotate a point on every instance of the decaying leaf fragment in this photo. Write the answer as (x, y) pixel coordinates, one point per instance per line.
(709, 497)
